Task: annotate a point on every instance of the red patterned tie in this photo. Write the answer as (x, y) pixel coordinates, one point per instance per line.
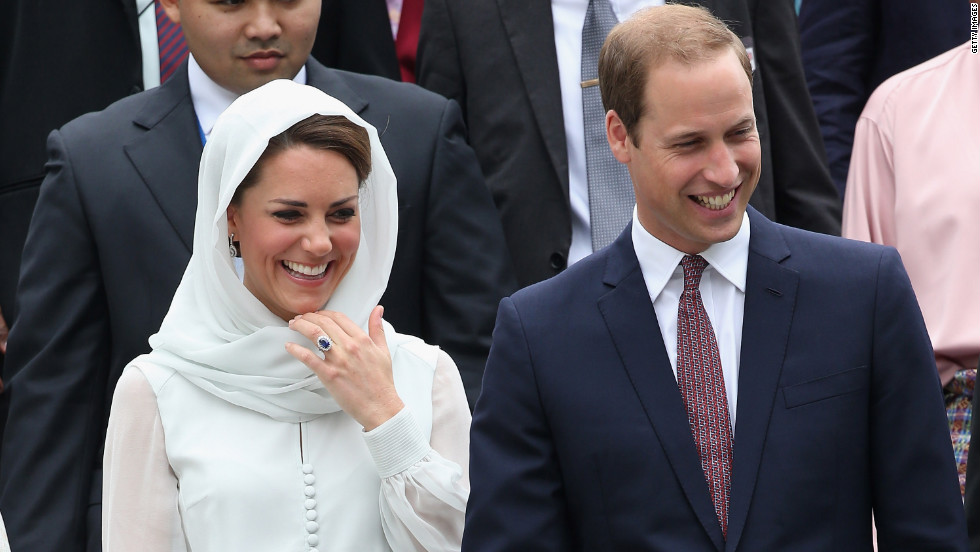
(173, 50)
(702, 386)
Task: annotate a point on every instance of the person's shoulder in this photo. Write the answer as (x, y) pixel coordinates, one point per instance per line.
(380, 89)
(820, 253)
(112, 122)
(910, 84)
(583, 281)
(133, 387)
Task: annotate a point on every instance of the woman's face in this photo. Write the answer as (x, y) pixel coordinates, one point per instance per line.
(298, 229)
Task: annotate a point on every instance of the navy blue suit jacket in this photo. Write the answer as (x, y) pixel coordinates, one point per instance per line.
(580, 440)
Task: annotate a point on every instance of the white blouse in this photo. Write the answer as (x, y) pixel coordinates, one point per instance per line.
(234, 479)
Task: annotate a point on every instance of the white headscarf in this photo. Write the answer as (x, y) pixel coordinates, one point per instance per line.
(217, 334)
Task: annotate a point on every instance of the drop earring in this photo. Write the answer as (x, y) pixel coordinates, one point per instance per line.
(233, 246)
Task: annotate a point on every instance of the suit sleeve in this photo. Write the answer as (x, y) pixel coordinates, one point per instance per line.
(437, 60)
(58, 358)
(837, 45)
(805, 196)
(467, 268)
(916, 496)
(516, 497)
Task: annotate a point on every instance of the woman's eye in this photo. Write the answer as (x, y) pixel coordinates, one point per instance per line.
(286, 215)
(344, 214)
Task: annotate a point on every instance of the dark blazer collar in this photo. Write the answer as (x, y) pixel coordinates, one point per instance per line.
(770, 300)
(632, 324)
(332, 82)
(770, 297)
(531, 33)
(167, 155)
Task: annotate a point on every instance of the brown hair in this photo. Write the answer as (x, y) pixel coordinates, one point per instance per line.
(325, 132)
(650, 38)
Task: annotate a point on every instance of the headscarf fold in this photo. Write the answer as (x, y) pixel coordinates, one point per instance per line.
(217, 334)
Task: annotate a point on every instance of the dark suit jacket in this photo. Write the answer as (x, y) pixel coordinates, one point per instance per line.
(43, 85)
(849, 47)
(580, 440)
(355, 35)
(497, 59)
(111, 235)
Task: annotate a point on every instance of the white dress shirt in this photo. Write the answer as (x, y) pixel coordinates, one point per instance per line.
(722, 292)
(210, 99)
(569, 18)
(147, 22)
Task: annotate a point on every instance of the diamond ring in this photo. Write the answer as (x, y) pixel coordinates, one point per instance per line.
(324, 343)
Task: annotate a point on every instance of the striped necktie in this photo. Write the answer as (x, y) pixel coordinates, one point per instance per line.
(173, 49)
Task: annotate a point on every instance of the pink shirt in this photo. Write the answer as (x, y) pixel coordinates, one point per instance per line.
(914, 183)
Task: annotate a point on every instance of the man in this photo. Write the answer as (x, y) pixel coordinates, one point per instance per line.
(913, 185)
(630, 404)
(113, 226)
(516, 70)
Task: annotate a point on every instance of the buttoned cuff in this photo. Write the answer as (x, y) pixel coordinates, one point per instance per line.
(397, 444)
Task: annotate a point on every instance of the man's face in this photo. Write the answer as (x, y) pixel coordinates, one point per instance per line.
(699, 157)
(243, 44)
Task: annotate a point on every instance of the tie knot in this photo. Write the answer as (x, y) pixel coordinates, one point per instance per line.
(693, 266)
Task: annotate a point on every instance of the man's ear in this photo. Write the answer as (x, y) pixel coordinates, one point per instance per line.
(619, 140)
(172, 9)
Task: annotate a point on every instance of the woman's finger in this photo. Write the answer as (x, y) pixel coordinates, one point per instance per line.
(376, 329)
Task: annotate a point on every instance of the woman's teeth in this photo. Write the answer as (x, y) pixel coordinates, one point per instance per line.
(715, 202)
(305, 270)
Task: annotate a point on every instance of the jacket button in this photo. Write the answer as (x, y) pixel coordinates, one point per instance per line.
(558, 261)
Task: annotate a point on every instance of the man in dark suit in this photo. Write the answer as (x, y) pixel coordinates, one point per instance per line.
(499, 60)
(712, 380)
(849, 47)
(113, 227)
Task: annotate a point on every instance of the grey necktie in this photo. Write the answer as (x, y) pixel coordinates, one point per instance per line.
(610, 190)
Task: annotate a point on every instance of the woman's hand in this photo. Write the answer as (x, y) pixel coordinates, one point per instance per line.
(356, 370)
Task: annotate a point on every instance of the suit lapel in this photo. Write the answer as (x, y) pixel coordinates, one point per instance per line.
(770, 297)
(530, 30)
(633, 327)
(168, 154)
(330, 81)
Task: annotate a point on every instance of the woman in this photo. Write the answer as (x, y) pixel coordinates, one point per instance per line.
(266, 418)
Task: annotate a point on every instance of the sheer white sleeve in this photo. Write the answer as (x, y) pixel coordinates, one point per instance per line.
(139, 489)
(424, 485)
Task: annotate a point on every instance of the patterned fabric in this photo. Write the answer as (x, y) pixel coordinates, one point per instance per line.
(611, 196)
(702, 386)
(959, 413)
(173, 49)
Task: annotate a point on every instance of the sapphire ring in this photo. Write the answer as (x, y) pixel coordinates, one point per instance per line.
(324, 343)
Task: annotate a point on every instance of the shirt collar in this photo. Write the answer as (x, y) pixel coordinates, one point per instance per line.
(210, 99)
(659, 260)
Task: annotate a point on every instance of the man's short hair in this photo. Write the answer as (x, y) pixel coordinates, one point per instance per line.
(650, 38)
